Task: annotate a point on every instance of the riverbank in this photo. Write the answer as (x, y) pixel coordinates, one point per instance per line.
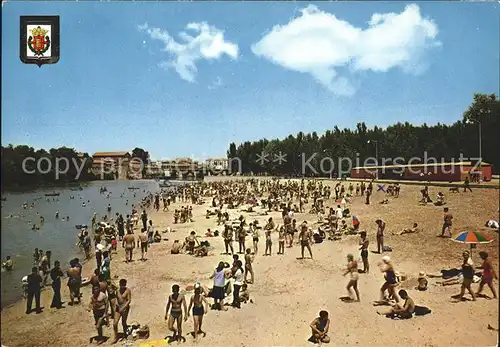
(288, 293)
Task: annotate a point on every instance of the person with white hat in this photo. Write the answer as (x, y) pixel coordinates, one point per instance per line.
(391, 282)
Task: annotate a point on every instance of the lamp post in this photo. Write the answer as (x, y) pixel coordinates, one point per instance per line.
(480, 147)
(376, 154)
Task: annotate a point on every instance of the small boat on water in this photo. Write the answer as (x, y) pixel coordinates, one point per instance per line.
(52, 194)
(77, 189)
(81, 226)
(133, 188)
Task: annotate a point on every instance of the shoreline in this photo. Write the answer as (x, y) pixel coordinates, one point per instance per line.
(284, 284)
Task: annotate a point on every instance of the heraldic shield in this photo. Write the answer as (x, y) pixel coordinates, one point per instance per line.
(39, 40)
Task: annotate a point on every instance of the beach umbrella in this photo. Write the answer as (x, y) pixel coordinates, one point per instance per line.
(355, 220)
(342, 201)
(472, 238)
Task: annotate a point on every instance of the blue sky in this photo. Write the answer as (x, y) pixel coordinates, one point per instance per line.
(126, 79)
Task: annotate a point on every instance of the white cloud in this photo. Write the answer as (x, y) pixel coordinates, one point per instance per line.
(199, 41)
(319, 43)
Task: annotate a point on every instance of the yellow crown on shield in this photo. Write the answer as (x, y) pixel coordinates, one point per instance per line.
(38, 31)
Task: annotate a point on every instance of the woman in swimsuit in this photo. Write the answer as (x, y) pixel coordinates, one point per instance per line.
(352, 269)
(199, 304)
(390, 280)
(488, 275)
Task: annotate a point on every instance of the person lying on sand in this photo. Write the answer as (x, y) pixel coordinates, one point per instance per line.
(414, 229)
(404, 311)
(384, 202)
(319, 328)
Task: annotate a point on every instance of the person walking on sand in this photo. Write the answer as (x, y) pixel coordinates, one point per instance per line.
(199, 304)
(319, 327)
(489, 275)
(99, 306)
(448, 221)
(352, 269)
(122, 309)
(468, 277)
(248, 265)
(241, 238)
(380, 235)
(391, 282)
(129, 243)
(363, 247)
(56, 274)
(305, 236)
(176, 307)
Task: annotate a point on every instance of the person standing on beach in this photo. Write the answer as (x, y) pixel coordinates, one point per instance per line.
(143, 241)
(241, 238)
(74, 281)
(255, 238)
(128, 243)
(363, 247)
(248, 265)
(56, 274)
(228, 238)
(448, 221)
(199, 304)
(34, 289)
(218, 293)
(269, 242)
(124, 297)
(238, 282)
(380, 235)
(176, 306)
(352, 269)
(390, 280)
(144, 219)
(99, 305)
(281, 240)
(151, 232)
(305, 236)
(120, 223)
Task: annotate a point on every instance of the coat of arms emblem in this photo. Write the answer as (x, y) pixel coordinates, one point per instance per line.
(39, 40)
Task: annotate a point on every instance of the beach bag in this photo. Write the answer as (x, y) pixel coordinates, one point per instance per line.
(421, 311)
(387, 249)
(143, 332)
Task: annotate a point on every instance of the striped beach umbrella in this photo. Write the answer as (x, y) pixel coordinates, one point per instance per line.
(472, 238)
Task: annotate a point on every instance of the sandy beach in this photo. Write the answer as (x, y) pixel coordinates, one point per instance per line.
(288, 293)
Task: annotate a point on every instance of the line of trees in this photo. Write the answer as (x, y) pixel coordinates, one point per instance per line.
(399, 140)
(24, 167)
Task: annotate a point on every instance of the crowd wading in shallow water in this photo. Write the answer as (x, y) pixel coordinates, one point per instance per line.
(233, 206)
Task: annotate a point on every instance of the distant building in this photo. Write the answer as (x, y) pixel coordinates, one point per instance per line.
(116, 163)
(447, 172)
(179, 167)
(217, 165)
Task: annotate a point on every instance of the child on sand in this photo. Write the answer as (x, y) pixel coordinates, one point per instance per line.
(319, 327)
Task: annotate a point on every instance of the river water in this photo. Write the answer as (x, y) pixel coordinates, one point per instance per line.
(56, 235)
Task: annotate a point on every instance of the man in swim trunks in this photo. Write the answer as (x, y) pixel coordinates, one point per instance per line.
(447, 224)
(143, 240)
(176, 247)
(176, 306)
(124, 297)
(319, 327)
(363, 247)
(99, 306)
(228, 238)
(74, 281)
(305, 237)
(129, 243)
